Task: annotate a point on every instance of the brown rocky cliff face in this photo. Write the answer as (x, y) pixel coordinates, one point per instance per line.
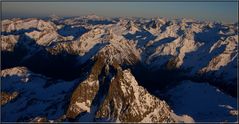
(128, 102)
(6, 97)
(84, 94)
(116, 96)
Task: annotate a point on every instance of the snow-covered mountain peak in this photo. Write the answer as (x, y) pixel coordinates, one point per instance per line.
(87, 60)
(24, 24)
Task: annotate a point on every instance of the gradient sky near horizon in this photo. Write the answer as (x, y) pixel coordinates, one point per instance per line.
(213, 11)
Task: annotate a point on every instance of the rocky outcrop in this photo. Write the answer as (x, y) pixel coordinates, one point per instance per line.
(126, 101)
(6, 97)
(19, 71)
(116, 96)
(109, 90)
(9, 42)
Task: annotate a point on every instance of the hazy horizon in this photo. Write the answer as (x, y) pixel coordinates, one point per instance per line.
(225, 12)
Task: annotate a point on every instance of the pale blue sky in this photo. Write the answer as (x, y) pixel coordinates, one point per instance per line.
(215, 11)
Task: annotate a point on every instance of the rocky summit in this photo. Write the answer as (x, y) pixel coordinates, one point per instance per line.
(98, 69)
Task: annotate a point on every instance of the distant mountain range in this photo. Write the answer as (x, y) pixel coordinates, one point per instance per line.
(92, 68)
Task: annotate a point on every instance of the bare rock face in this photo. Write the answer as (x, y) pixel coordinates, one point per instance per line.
(109, 91)
(116, 96)
(6, 97)
(82, 98)
(19, 71)
(126, 101)
(83, 95)
(22, 72)
(8, 42)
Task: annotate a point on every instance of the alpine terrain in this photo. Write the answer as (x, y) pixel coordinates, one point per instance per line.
(94, 69)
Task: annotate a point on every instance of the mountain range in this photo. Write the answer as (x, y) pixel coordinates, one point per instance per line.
(92, 68)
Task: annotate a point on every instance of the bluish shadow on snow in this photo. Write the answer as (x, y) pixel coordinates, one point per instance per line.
(142, 38)
(37, 59)
(18, 32)
(201, 101)
(100, 22)
(209, 37)
(68, 30)
(97, 47)
(35, 99)
(156, 44)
